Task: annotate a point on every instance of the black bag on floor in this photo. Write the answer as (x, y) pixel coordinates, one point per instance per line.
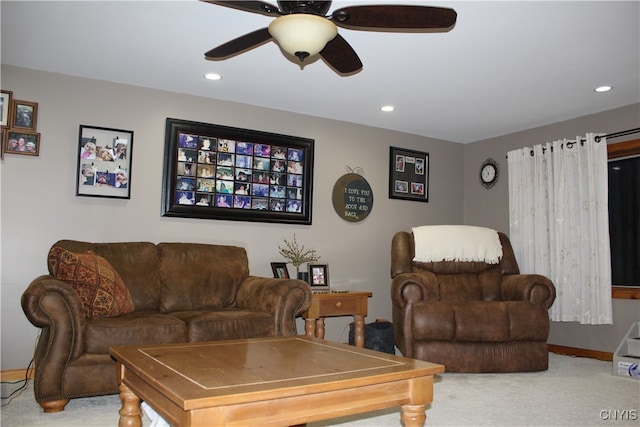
(377, 336)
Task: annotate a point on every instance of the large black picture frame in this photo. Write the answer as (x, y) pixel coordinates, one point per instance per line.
(227, 173)
(408, 174)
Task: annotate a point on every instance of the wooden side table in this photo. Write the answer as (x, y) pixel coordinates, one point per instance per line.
(337, 304)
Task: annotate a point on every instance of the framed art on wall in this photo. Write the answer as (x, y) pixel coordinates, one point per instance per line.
(24, 115)
(408, 174)
(21, 142)
(221, 172)
(104, 162)
(5, 108)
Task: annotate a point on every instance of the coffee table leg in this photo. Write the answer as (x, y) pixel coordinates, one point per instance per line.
(130, 411)
(421, 394)
(413, 415)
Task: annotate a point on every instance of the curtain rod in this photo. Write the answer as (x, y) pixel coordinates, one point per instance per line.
(618, 134)
(599, 137)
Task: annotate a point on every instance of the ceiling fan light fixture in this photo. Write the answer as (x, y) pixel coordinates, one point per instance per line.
(301, 34)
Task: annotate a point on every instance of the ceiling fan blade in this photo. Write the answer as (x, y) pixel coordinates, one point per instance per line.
(341, 56)
(239, 45)
(381, 17)
(249, 6)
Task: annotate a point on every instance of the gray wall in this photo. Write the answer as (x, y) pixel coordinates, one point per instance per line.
(490, 208)
(38, 204)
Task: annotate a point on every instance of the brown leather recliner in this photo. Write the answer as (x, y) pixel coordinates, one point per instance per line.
(470, 316)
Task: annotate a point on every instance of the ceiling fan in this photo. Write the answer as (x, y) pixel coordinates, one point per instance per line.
(303, 28)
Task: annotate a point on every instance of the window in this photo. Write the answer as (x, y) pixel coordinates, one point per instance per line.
(624, 217)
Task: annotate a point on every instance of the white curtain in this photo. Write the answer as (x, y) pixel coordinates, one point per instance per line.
(559, 224)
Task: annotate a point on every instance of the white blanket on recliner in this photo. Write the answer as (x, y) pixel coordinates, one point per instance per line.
(435, 243)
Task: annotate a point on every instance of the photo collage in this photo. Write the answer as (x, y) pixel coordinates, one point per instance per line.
(104, 163)
(409, 172)
(225, 173)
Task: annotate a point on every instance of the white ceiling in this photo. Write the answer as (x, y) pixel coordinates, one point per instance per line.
(505, 66)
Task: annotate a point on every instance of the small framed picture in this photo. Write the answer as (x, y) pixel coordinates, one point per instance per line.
(19, 142)
(319, 277)
(408, 174)
(280, 270)
(104, 162)
(5, 108)
(24, 115)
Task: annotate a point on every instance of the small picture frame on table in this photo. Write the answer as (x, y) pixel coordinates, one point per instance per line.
(5, 108)
(21, 142)
(408, 174)
(104, 162)
(319, 277)
(24, 115)
(280, 270)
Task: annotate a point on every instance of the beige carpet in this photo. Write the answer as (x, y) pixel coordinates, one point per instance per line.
(573, 392)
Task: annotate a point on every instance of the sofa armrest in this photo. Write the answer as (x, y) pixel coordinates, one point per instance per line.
(407, 288)
(56, 308)
(528, 287)
(284, 299)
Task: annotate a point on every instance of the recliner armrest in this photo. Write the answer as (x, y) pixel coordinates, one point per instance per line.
(284, 299)
(528, 287)
(407, 288)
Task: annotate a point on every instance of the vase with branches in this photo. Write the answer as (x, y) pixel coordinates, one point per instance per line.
(296, 254)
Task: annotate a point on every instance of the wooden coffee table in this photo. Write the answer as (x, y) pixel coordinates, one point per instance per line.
(268, 382)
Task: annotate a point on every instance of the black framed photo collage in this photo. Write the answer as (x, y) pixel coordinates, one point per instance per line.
(238, 174)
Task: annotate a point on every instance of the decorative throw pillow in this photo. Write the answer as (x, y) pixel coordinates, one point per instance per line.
(99, 286)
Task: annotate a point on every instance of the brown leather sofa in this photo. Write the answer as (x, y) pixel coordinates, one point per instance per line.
(182, 292)
(470, 316)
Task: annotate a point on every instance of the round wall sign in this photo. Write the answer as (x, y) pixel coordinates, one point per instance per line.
(352, 197)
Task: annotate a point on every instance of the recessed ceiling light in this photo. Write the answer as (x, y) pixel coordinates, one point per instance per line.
(387, 108)
(213, 76)
(603, 89)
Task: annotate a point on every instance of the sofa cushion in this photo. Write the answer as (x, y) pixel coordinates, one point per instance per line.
(459, 287)
(137, 328)
(136, 262)
(432, 320)
(99, 286)
(480, 321)
(528, 321)
(226, 324)
(199, 276)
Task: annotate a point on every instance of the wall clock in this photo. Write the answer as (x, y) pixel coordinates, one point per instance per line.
(489, 173)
